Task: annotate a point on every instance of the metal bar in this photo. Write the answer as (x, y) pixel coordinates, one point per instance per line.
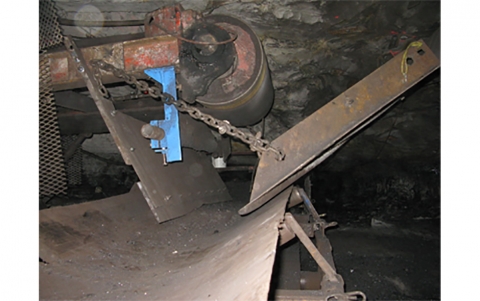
(299, 295)
(324, 247)
(289, 181)
(321, 261)
(236, 168)
(106, 107)
(309, 204)
(75, 122)
(132, 56)
(316, 295)
(322, 131)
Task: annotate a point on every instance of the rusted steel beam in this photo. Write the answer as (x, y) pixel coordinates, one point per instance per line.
(324, 131)
(132, 56)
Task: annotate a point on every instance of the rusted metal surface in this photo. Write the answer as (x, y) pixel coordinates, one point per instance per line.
(157, 52)
(329, 126)
(113, 249)
(170, 20)
(132, 56)
(172, 190)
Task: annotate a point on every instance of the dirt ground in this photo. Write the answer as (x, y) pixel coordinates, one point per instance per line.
(387, 260)
(400, 262)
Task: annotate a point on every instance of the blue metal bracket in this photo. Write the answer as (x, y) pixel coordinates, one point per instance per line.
(170, 145)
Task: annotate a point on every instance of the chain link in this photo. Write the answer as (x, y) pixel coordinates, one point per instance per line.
(255, 142)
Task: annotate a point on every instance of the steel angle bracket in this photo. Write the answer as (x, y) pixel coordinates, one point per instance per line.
(315, 138)
(170, 145)
(166, 196)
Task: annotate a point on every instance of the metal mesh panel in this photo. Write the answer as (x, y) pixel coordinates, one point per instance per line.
(52, 169)
(74, 164)
(50, 33)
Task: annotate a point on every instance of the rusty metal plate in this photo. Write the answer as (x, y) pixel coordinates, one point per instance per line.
(171, 20)
(158, 52)
(112, 249)
(174, 189)
(333, 122)
(133, 56)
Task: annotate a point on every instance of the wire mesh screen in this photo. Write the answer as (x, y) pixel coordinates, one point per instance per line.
(53, 179)
(50, 33)
(73, 165)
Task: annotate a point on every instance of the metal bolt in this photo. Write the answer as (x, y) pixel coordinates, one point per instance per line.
(113, 113)
(77, 60)
(132, 149)
(349, 102)
(81, 69)
(152, 132)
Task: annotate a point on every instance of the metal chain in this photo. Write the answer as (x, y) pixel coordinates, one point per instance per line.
(255, 143)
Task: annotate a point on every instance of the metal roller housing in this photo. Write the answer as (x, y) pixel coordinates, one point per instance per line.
(244, 95)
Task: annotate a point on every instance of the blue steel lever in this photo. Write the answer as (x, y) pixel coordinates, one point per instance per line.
(170, 145)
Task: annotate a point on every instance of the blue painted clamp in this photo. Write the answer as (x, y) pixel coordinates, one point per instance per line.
(170, 145)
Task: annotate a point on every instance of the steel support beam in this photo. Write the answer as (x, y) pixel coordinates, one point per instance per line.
(332, 125)
(133, 56)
